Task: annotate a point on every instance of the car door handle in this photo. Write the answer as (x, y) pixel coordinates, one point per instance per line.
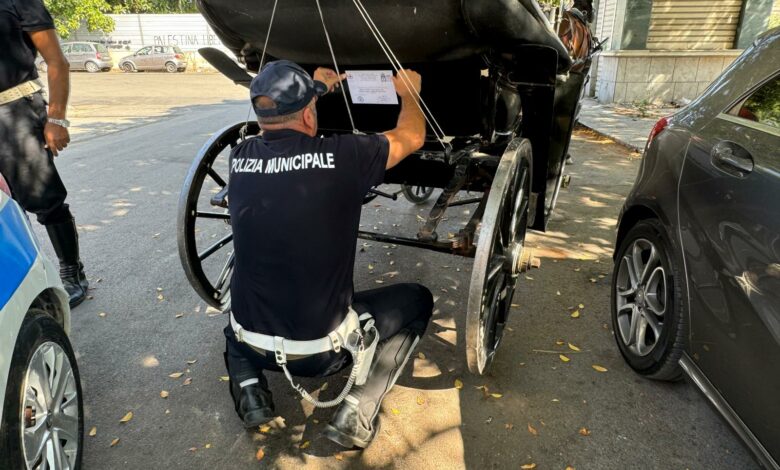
(731, 157)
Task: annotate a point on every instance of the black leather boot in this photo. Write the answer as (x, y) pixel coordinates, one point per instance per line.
(356, 422)
(254, 403)
(65, 240)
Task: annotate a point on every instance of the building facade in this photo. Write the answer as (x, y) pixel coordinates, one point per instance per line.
(668, 51)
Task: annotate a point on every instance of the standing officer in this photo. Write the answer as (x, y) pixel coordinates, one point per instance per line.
(31, 136)
(295, 201)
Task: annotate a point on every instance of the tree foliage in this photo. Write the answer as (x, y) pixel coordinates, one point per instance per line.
(69, 15)
(153, 6)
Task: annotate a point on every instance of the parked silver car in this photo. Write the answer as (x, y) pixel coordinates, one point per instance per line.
(168, 58)
(89, 56)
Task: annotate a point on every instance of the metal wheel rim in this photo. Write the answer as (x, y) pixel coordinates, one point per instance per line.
(92, 67)
(50, 412)
(641, 297)
(216, 293)
(494, 274)
(170, 67)
(127, 67)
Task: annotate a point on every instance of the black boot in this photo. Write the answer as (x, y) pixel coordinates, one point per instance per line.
(356, 422)
(65, 241)
(254, 403)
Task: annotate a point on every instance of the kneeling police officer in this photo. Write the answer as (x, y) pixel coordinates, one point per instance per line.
(295, 200)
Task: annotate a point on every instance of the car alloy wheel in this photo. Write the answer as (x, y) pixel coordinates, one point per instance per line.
(92, 67)
(127, 67)
(50, 410)
(171, 67)
(640, 292)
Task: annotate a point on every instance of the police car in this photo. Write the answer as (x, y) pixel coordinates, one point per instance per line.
(41, 415)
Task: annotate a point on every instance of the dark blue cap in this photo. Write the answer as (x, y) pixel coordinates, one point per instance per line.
(288, 85)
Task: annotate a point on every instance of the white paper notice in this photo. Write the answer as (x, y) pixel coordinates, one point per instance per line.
(371, 87)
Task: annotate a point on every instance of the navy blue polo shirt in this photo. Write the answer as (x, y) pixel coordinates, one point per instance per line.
(295, 206)
(17, 54)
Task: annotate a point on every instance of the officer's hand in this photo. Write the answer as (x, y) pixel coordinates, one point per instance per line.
(329, 77)
(57, 137)
(411, 81)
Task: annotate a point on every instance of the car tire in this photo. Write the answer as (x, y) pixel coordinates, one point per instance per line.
(42, 348)
(91, 67)
(651, 343)
(170, 67)
(127, 67)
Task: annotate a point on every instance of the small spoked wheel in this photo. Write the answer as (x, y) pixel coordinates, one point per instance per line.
(500, 255)
(205, 237)
(647, 302)
(43, 421)
(416, 194)
(92, 67)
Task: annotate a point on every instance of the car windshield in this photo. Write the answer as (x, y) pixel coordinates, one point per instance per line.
(101, 48)
(177, 50)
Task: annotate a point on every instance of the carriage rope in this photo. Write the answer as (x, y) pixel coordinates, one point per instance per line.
(336, 66)
(396, 64)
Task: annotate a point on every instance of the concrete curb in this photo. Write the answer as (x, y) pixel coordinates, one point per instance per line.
(617, 140)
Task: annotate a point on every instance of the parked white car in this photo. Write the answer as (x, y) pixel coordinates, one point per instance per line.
(41, 415)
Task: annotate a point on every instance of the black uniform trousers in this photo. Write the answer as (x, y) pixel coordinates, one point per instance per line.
(26, 165)
(394, 308)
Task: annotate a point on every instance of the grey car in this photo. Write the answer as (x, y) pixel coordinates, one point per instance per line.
(168, 58)
(89, 56)
(696, 280)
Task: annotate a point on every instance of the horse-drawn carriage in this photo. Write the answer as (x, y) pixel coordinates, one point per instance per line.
(499, 94)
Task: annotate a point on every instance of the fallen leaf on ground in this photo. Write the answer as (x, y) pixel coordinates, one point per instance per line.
(584, 432)
(421, 355)
(528, 466)
(564, 358)
(102, 314)
(420, 400)
(192, 361)
(509, 426)
(379, 281)
(496, 395)
(370, 266)
(164, 394)
(569, 467)
(573, 347)
(265, 429)
(560, 342)
(338, 457)
(126, 417)
(179, 315)
(458, 384)
(260, 454)
(160, 297)
(224, 378)
(581, 305)
(187, 381)
(599, 368)
(193, 449)
(557, 292)
(532, 430)
(395, 411)
(305, 445)
(575, 314)
(114, 442)
(315, 421)
(93, 432)
(176, 375)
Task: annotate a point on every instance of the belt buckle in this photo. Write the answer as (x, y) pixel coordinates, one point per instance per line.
(354, 340)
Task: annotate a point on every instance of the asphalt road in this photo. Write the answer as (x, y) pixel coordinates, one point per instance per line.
(144, 322)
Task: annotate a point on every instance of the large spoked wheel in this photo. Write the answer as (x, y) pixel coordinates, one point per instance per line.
(416, 194)
(500, 255)
(205, 237)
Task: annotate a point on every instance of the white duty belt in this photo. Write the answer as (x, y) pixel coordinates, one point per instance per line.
(360, 341)
(20, 91)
